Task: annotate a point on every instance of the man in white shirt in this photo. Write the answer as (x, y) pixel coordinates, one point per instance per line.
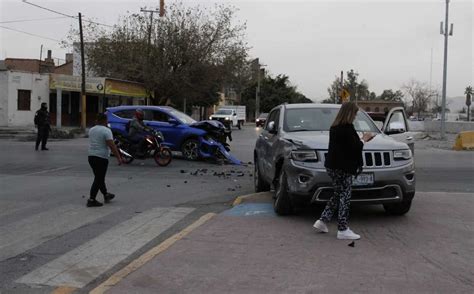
(101, 141)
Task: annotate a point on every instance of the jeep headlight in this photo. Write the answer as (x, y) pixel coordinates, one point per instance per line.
(304, 155)
(404, 154)
(210, 118)
(227, 118)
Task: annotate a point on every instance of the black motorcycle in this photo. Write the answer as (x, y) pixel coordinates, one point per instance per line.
(153, 148)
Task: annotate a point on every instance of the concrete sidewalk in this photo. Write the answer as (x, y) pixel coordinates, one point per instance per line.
(249, 249)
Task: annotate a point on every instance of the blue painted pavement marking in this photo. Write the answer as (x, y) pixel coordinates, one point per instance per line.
(251, 209)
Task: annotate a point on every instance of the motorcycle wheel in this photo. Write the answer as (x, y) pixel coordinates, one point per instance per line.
(163, 157)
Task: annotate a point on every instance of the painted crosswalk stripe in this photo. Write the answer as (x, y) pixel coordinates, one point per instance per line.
(10, 207)
(80, 266)
(30, 232)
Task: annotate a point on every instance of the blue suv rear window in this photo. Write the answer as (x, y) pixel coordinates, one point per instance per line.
(125, 113)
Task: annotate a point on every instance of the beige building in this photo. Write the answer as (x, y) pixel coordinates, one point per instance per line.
(380, 106)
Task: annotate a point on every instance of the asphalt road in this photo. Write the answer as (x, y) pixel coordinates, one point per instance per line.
(43, 196)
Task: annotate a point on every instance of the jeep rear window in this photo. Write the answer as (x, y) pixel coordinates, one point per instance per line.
(321, 119)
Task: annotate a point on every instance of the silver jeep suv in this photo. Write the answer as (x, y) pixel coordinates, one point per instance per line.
(290, 152)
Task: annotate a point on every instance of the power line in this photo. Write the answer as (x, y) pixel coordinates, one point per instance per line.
(35, 19)
(31, 34)
(63, 14)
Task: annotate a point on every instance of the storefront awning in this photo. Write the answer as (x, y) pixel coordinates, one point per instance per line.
(98, 85)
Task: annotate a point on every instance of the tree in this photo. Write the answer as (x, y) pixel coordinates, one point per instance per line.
(468, 93)
(273, 91)
(357, 90)
(193, 53)
(419, 94)
(389, 95)
(334, 91)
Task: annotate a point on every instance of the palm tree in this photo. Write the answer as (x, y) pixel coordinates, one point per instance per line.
(468, 93)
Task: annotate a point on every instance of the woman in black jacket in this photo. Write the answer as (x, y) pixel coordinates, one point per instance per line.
(343, 161)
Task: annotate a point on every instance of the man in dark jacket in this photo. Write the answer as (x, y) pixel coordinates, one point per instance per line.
(137, 131)
(43, 124)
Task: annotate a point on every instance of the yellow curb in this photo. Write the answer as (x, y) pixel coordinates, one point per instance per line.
(64, 290)
(241, 199)
(142, 260)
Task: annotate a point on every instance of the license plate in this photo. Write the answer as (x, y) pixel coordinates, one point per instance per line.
(366, 179)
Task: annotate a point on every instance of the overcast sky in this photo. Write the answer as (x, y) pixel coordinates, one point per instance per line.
(387, 42)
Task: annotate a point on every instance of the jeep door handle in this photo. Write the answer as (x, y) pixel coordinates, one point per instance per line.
(409, 138)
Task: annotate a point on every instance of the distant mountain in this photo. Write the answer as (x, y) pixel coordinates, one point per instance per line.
(456, 104)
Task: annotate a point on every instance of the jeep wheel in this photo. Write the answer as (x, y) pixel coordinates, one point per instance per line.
(397, 208)
(282, 204)
(259, 183)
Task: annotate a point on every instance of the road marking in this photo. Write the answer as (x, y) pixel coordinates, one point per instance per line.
(64, 290)
(30, 232)
(142, 260)
(47, 171)
(242, 198)
(80, 266)
(10, 207)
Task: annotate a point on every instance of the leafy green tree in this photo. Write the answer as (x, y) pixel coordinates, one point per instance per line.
(468, 93)
(273, 92)
(357, 90)
(390, 95)
(193, 53)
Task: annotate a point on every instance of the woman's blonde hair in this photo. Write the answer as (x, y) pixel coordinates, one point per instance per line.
(346, 114)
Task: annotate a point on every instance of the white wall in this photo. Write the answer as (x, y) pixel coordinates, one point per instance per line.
(39, 86)
(3, 98)
(451, 127)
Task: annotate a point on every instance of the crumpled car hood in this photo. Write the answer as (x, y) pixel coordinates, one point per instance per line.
(320, 140)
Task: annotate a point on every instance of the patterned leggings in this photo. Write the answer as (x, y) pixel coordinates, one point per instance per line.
(342, 183)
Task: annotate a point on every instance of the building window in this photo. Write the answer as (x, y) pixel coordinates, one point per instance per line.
(367, 109)
(377, 109)
(385, 109)
(24, 100)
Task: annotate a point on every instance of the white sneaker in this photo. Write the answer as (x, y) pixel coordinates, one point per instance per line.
(347, 235)
(320, 226)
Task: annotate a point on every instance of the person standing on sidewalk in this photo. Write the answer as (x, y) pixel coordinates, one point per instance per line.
(42, 122)
(343, 161)
(101, 141)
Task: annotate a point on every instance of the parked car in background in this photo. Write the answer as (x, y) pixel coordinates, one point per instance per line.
(290, 153)
(261, 119)
(230, 115)
(205, 139)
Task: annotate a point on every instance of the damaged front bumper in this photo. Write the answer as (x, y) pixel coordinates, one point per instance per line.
(393, 184)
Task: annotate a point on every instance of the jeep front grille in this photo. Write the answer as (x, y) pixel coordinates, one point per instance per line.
(377, 159)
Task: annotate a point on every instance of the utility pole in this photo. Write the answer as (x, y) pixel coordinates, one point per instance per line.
(83, 75)
(342, 86)
(257, 93)
(445, 69)
(150, 28)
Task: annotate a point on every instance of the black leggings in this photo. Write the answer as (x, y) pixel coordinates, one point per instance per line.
(99, 167)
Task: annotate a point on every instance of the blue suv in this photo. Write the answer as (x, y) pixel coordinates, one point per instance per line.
(181, 132)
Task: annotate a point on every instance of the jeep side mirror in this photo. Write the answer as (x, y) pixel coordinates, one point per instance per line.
(235, 114)
(272, 128)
